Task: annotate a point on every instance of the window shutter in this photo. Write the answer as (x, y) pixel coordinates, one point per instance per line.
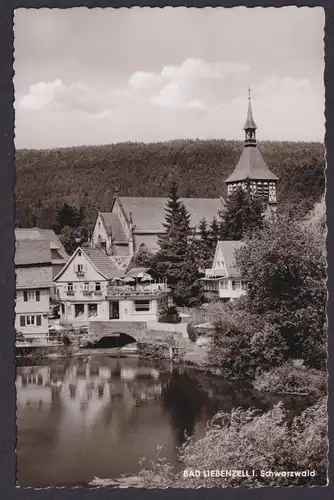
(85, 268)
(22, 321)
(38, 294)
(25, 295)
(38, 320)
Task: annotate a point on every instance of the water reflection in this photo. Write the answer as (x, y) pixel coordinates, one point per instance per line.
(97, 416)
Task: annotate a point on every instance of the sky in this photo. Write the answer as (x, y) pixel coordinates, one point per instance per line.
(100, 76)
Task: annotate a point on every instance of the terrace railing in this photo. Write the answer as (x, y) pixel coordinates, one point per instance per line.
(152, 289)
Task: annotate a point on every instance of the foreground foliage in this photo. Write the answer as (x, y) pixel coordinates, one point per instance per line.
(248, 440)
(285, 266)
(292, 378)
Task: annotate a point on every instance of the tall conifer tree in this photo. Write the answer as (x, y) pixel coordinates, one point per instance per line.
(243, 215)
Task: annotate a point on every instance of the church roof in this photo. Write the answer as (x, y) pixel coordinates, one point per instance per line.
(251, 165)
(148, 213)
(111, 221)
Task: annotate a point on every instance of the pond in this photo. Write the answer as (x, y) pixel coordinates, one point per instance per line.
(98, 415)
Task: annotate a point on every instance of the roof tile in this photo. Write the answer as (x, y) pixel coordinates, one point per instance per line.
(103, 263)
(148, 213)
(251, 165)
(32, 252)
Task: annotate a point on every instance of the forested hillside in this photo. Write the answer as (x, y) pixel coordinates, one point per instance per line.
(87, 176)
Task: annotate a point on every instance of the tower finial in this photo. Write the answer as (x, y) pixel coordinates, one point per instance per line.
(249, 92)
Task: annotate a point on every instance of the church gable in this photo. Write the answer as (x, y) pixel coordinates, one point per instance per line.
(99, 230)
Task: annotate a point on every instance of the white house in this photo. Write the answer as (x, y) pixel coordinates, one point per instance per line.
(91, 288)
(33, 270)
(223, 280)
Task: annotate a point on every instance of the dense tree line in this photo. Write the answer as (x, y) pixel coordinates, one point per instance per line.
(87, 176)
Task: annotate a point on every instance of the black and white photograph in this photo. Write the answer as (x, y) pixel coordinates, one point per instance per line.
(170, 248)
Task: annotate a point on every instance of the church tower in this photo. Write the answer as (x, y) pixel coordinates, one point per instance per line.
(251, 167)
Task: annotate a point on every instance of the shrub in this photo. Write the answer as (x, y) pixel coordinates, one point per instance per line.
(194, 331)
(292, 378)
(155, 349)
(169, 315)
(249, 440)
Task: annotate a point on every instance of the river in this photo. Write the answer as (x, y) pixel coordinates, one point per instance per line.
(98, 415)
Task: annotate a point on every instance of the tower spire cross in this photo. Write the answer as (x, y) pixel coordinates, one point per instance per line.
(249, 92)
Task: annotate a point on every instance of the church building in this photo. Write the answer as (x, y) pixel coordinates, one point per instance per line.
(135, 221)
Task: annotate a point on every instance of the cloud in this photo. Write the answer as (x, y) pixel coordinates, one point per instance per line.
(41, 95)
(142, 80)
(76, 96)
(184, 86)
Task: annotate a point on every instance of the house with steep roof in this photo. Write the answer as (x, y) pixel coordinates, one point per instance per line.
(33, 269)
(92, 288)
(251, 168)
(59, 256)
(223, 280)
(136, 221)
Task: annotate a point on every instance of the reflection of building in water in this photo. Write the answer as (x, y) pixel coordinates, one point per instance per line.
(90, 394)
(32, 386)
(129, 373)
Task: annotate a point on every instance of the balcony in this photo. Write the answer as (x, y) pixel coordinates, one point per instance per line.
(87, 292)
(80, 274)
(70, 292)
(138, 290)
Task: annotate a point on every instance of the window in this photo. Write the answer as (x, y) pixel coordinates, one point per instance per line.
(86, 287)
(244, 285)
(31, 295)
(31, 320)
(70, 287)
(80, 268)
(79, 310)
(224, 285)
(97, 287)
(236, 285)
(142, 305)
(92, 310)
